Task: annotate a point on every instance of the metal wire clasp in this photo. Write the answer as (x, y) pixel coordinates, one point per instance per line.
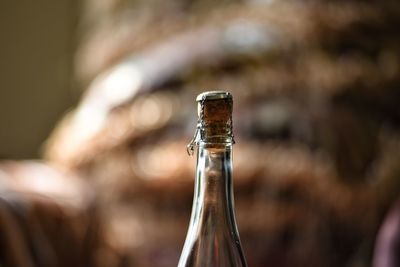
(197, 134)
(195, 140)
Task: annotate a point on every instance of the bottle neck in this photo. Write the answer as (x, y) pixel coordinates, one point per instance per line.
(213, 185)
(213, 238)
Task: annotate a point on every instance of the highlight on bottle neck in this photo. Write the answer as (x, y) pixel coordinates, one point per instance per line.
(214, 124)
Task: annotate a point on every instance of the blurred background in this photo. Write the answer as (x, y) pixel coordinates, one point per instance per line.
(97, 105)
(37, 50)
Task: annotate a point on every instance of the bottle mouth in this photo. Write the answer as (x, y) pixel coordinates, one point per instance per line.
(214, 124)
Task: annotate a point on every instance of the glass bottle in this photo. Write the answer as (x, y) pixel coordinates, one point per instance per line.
(213, 239)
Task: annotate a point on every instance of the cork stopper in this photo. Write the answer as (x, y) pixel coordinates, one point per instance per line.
(215, 105)
(214, 125)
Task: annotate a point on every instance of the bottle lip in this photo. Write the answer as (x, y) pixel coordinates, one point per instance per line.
(213, 95)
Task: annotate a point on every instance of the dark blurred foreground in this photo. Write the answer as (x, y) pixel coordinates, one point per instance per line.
(316, 120)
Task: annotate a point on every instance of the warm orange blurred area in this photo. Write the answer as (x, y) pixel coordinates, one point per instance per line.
(316, 91)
